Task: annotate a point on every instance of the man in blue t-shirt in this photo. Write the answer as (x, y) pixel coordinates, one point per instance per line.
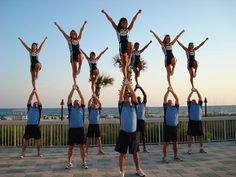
(171, 114)
(94, 110)
(195, 127)
(128, 126)
(141, 106)
(76, 127)
(32, 129)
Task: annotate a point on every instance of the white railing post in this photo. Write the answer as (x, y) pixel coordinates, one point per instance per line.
(51, 135)
(14, 135)
(159, 132)
(225, 133)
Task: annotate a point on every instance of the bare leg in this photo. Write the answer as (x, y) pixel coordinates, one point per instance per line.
(201, 139)
(136, 72)
(136, 160)
(130, 50)
(191, 76)
(24, 146)
(122, 162)
(190, 138)
(33, 79)
(87, 144)
(195, 66)
(165, 149)
(82, 153)
(175, 148)
(173, 63)
(93, 80)
(168, 70)
(37, 69)
(70, 153)
(99, 142)
(74, 71)
(37, 144)
(80, 60)
(124, 65)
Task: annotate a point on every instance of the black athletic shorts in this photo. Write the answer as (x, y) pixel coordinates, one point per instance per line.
(127, 140)
(195, 128)
(75, 55)
(141, 125)
(32, 66)
(93, 130)
(32, 131)
(76, 136)
(170, 133)
(123, 47)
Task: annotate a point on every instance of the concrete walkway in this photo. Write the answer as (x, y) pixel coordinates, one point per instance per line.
(220, 160)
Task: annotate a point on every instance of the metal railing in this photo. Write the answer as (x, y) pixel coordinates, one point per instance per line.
(55, 132)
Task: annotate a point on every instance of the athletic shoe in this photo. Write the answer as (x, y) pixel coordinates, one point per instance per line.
(122, 174)
(84, 165)
(69, 165)
(101, 152)
(140, 172)
(177, 159)
(164, 160)
(202, 151)
(40, 155)
(22, 156)
(145, 150)
(189, 152)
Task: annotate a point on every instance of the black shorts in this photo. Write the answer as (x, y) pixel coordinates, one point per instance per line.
(32, 66)
(137, 63)
(93, 129)
(127, 140)
(190, 63)
(195, 128)
(141, 126)
(123, 47)
(94, 69)
(170, 133)
(32, 131)
(76, 136)
(168, 60)
(74, 56)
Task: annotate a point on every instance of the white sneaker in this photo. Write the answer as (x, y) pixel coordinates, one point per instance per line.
(122, 174)
(22, 156)
(84, 165)
(69, 165)
(40, 155)
(140, 172)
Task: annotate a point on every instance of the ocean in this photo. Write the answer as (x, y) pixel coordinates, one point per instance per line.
(113, 112)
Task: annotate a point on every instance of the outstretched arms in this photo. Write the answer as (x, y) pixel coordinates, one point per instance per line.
(97, 99)
(200, 45)
(144, 94)
(81, 30)
(69, 99)
(31, 97)
(41, 45)
(80, 95)
(99, 56)
(199, 95)
(133, 20)
(166, 96)
(145, 46)
(24, 44)
(183, 47)
(177, 37)
(157, 37)
(86, 56)
(122, 93)
(133, 94)
(110, 19)
(175, 96)
(189, 96)
(62, 31)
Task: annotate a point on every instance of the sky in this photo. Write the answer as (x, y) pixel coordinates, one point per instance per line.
(33, 20)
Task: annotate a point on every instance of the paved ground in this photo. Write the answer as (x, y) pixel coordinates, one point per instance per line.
(220, 160)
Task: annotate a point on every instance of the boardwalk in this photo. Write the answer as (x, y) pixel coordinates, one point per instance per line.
(219, 161)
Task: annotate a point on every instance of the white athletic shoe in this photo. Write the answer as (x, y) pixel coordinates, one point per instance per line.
(40, 155)
(69, 165)
(22, 155)
(122, 174)
(84, 165)
(140, 172)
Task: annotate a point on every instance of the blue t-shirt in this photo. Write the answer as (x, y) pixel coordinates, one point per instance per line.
(128, 117)
(195, 111)
(141, 111)
(76, 116)
(33, 114)
(94, 115)
(171, 114)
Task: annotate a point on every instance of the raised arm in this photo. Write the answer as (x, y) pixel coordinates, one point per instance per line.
(41, 45)
(90, 102)
(200, 45)
(122, 93)
(69, 99)
(133, 94)
(86, 56)
(97, 99)
(183, 47)
(199, 95)
(31, 97)
(81, 30)
(145, 46)
(189, 96)
(157, 37)
(80, 95)
(166, 96)
(99, 56)
(24, 44)
(175, 96)
(37, 97)
(177, 37)
(133, 20)
(110, 19)
(62, 31)
(144, 95)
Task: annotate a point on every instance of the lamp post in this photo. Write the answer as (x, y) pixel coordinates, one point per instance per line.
(205, 102)
(62, 104)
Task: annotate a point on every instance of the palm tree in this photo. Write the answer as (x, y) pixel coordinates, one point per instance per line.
(103, 81)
